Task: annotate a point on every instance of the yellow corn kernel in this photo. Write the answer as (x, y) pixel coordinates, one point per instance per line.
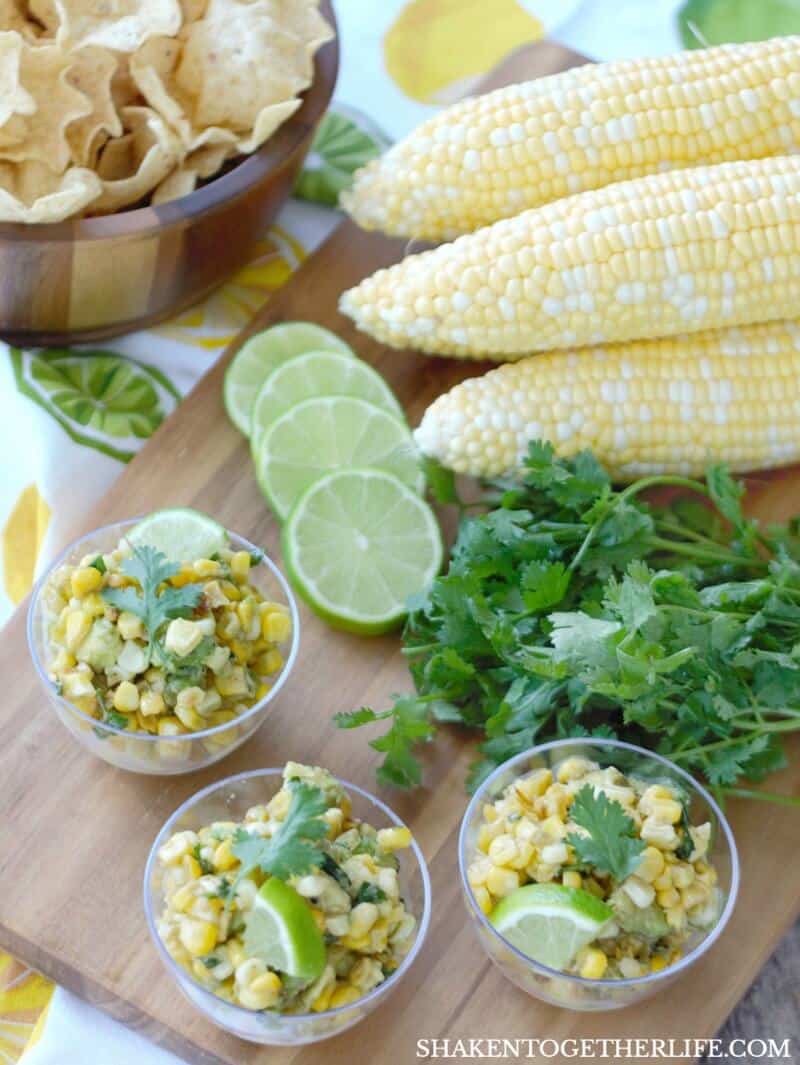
(658, 833)
(490, 812)
(240, 565)
(360, 944)
(276, 627)
(525, 854)
(503, 849)
(574, 769)
(84, 580)
(344, 995)
(77, 628)
(223, 857)
(232, 682)
(245, 613)
(126, 697)
(198, 937)
(594, 964)
(394, 839)
(236, 952)
(87, 704)
(362, 918)
(62, 662)
(664, 880)
(694, 895)
(666, 812)
(323, 1000)
(554, 827)
(534, 785)
(658, 963)
(571, 878)
(192, 867)
(483, 898)
(651, 865)
(262, 691)
(241, 650)
(502, 882)
(130, 627)
(269, 662)
(668, 898)
(682, 875)
(231, 591)
(146, 724)
(183, 898)
(676, 918)
(151, 703)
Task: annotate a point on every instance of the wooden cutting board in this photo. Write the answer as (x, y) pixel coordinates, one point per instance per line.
(75, 833)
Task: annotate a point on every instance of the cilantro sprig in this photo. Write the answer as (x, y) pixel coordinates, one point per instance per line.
(293, 850)
(573, 608)
(154, 601)
(611, 845)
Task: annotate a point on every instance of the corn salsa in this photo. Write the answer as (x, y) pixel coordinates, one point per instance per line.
(353, 895)
(661, 908)
(170, 663)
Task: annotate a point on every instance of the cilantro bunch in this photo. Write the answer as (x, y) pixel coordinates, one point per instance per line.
(573, 608)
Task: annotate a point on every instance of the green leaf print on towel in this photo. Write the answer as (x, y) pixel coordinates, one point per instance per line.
(102, 400)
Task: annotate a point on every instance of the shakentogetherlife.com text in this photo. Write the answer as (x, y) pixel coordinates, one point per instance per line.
(530, 1049)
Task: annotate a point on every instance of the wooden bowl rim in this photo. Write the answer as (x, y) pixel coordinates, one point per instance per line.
(217, 194)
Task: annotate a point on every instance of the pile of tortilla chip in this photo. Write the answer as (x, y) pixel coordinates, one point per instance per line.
(106, 104)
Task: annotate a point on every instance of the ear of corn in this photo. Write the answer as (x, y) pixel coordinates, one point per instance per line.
(657, 256)
(519, 147)
(651, 406)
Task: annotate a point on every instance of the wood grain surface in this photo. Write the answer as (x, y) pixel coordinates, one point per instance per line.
(74, 832)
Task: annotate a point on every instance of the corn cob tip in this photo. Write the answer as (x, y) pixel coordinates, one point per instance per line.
(647, 406)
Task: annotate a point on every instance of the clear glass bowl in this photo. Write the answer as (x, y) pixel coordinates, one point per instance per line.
(142, 752)
(575, 992)
(229, 800)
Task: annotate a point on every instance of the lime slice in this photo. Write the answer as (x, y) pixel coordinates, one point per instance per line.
(357, 545)
(345, 140)
(261, 354)
(182, 534)
(280, 930)
(318, 373)
(326, 433)
(549, 922)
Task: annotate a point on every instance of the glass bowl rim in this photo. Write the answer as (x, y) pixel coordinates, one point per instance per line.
(377, 992)
(147, 737)
(581, 981)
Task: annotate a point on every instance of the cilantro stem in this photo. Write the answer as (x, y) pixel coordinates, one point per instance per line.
(777, 726)
(707, 555)
(764, 796)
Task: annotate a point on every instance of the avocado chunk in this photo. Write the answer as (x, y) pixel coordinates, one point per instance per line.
(101, 647)
(648, 922)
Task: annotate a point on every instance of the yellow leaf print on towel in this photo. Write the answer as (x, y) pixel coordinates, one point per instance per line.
(435, 49)
(214, 323)
(24, 995)
(22, 537)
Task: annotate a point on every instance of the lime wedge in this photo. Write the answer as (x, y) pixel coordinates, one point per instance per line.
(280, 930)
(318, 373)
(549, 922)
(326, 433)
(345, 140)
(261, 354)
(180, 533)
(357, 545)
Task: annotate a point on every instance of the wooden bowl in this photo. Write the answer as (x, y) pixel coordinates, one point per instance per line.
(94, 278)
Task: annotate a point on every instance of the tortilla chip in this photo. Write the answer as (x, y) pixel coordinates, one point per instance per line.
(200, 164)
(32, 192)
(43, 72)
(233, 76)
(179, 183)
(14, 17)
(193, 10)
(122, 25)
(91, 72)
(131, 166)
(14, 99)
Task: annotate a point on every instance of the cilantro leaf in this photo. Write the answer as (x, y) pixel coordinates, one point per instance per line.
(98, 564)
(150, 569)
(369, 893)
(611, 846)
(293, 850)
